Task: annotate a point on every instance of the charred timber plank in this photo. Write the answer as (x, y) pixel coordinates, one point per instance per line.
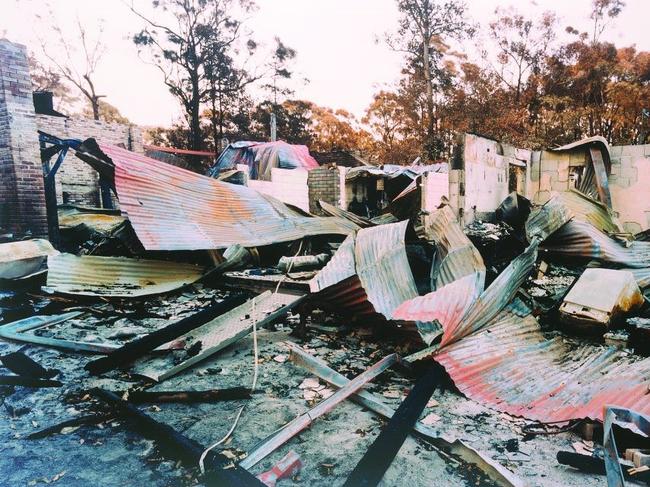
(370, 470)
(136, 348)
(177, 446)
(80, 421)
(233, 393)
(16, 380)
(303, 421)
(589, 464)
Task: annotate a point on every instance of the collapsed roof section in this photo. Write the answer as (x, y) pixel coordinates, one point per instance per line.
(261, 157)
(174, 209)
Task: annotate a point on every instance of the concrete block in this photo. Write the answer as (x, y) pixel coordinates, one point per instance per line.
(550, 165)
(632, 173)
(622, 182)
(559, 186)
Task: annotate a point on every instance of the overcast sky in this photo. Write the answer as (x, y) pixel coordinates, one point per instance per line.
(335, 40)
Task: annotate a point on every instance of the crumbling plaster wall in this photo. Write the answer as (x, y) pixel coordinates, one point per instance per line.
(77, 182)
(22, 196)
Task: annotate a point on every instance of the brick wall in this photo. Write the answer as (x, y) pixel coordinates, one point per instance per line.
(22, 197)
(324, 183)
(77, 182)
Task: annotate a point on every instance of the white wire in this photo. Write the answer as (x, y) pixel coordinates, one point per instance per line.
(255, 370)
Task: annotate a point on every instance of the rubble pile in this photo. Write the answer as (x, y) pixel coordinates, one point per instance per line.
(227, 338)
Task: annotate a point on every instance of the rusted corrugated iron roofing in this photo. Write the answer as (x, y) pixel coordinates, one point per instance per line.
(446, 305)
(494, 298)
(580, 239)
(116, 276)
(589, 210)
(547, 219)
(368, 273)
(456, 255)
(510, 366)
(174, 209)
(383, 267)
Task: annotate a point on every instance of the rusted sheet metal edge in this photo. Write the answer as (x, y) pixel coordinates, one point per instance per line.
(304, 420)
(374, 403)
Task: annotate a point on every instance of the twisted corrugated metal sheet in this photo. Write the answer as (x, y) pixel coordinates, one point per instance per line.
(332, 210)
(383, 267)
(340, 267)
(116, 276)
(261, 157)
(642, 277)
(589, 210)
(456, 255)
(580, 239)
(369, 273)
(547, 219)
(510, 366)
(493, 299)
(174, 209)
(446, 306)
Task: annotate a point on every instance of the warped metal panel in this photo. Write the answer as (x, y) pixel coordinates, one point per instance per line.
(340, 267)
(369, 273)
(589, 210)
(174, 209)
(580, 239)
(456, 255)
(642, 277)
(493, 299)
(547, 219)
(383, 267)
(332, 210)
(512, 367)
(445, 306)
(20, 259)
(116, 276)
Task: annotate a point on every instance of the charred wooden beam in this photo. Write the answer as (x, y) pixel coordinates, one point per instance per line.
(230, 394)
(370, 470)
(179, 447)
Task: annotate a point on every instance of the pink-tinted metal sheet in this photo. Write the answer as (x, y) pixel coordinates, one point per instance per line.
(174, 209)
(509, 365)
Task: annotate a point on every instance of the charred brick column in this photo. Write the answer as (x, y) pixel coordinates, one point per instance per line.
(22, 197)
